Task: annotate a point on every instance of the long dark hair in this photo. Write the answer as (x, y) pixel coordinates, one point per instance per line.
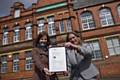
(40, 35)
(76, 34)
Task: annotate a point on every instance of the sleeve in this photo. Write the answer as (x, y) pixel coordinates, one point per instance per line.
(68, 63)
(36, 59)
(86, 51)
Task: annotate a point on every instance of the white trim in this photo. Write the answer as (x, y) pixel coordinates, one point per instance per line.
(11, 53)
(115, 35)
(92, 39)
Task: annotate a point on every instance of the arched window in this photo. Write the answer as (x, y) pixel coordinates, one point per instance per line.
(118, 9)
(87, 21)
(106, 17)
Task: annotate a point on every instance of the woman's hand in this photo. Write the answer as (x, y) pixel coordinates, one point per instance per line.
(71, 45)
(47, 72)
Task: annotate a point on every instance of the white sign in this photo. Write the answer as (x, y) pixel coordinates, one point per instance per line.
(57, 59)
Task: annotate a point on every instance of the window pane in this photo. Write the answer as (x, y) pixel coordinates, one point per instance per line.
(109, 43)
(111, 51)
(116, 42)
(96, 46)
(97, 54)
(69, 25)
(61, 26)
(117, 50)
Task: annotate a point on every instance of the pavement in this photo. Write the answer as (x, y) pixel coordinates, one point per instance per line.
(66, 78)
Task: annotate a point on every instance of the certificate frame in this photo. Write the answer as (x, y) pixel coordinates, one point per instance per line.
(57, 59)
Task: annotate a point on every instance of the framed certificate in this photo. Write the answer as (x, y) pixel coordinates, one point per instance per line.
(57, 59)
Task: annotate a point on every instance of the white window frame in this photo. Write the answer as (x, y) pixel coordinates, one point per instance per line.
(3, 63)
(16, 37)
(41, 26)
(17, 13)
(28, 66)
(69, 25)
(16, 63)
(51, 26)
(5, 38)
(114, 46)
(28, 31)
(62, 26)
(90, 42)
(106, 18)
(87, 20)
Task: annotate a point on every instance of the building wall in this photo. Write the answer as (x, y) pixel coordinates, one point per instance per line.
(107, 65)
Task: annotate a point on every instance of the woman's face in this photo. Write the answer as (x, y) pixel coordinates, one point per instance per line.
(73, 39)
(43, 39)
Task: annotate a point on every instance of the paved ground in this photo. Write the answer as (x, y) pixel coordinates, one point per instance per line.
(111, 79)
(66, 78)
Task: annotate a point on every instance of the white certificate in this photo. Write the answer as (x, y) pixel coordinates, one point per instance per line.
(57, 59)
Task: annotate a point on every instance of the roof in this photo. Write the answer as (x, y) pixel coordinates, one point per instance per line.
(85, 3)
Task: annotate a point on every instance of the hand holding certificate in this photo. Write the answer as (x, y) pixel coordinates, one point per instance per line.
(57, 59)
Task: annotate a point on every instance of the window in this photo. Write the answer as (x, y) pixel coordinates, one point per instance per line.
(3, 64)
(28, 63)
(51, 26)
(118, 8)
(106, 17)
(15, 62)
(113, 44)
(28, 31)
(41, 26)
(87, 21)
(16, 34)
(69, 25)
(62, 26)
(5, 36)
(17, 13)
(96, 53)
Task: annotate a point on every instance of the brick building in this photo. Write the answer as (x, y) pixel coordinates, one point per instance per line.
(97, 22)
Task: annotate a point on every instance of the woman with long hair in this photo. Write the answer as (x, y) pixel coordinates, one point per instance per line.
(40, 58)
(79, 58)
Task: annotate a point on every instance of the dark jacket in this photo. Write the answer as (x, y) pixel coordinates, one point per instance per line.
(40, 59)
(85, 70)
